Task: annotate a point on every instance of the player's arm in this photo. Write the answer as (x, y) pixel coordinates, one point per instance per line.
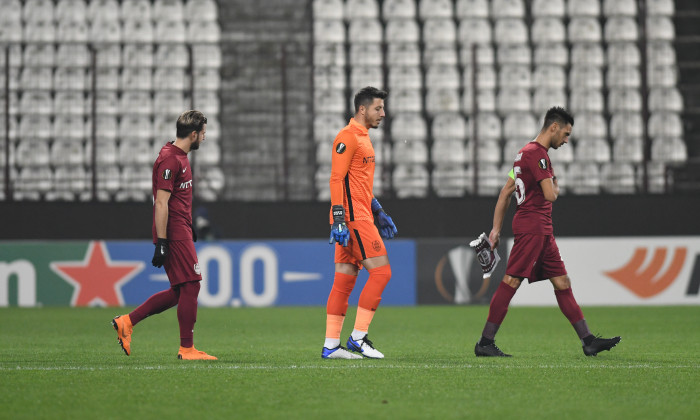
(550, 188)
(344, 148)
(387, 228)
(499, 213)
(161, 222)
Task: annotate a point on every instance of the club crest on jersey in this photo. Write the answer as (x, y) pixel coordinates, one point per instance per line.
(542, 164)
(167, 174)
(340, 148)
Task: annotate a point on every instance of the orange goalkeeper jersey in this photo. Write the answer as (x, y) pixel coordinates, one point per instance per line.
(352, 172)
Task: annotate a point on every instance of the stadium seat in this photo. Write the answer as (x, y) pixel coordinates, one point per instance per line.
(206, 56)
(108, 56)
(403, 54)
(135, 184)
(620, 8)
(107, 126)
(67, 152)
(592, 150)
(626, 125)
(398, 9)
(485, 100)
(32, 152)
(510, 31)
(361, 9)
(521, 125)
(485, 77)
(660, 7)
(73, 55)
(556, 54)
(135, 151)
(327, 126)
(405, 77)
(36, 102)
(411, 181)
(365, 31)
(135, 127)
(137, 78)
(70, 79)
(35, 126)
(106, 31)
(488, 151)
(103, 10)
(507, 9)
(71, 180)
(514, 76)
(474, 31)
(369, 54)
(209, 155)
(35, 55)
(584, 29)
(440, 54)
(544, 8)
(514, 54)
(327, 9)
(586, 77)
(660, 28)
(656, 171)
(660, 53)
(549, 29)
(329, 77)
(410, 152)
(324, 152)
(406, 100)
(168, 103)
(107, 79)
(38, 11)
(488, 126)
(32, 183)
(587, 54)
(671, 149)
(472, 9)
(662, 76)
(621, 29)
(624, 99)
(490, 179)
(665, 124)
(175, 31)
(665, 99)
(211, 183)
(623, 54)
(40, 32)
(511, 149)
(72, 32)
(439, 100)
(168, 10)
(201, 10)
(439, 31)
(484, 55)
(408, 127)
(170, 55)
(138, 103)
(549, 76)
(437, 77)
(137, 10)
(401, 30)
(328, 31)
(618, 178)
(513, 100)
(11, 32)
(583, 178)
(628, 149)
(623, 77)
(329, 100)
(562, 156)
(449, 180)
(590, 125)
(70, 103)
(34, 78)
(428, 9)
(450, 126)
(583, 8)
(177, 79)
(137, 31)
(71, 126)
(12, 11)
(361, 76)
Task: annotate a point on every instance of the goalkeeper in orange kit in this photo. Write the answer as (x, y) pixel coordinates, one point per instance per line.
(358, 241)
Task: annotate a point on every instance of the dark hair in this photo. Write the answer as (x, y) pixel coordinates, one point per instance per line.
(188, 122)
(559, 115)
(366, 96)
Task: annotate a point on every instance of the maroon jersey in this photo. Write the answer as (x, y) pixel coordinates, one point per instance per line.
(534, 214)
(172, 173)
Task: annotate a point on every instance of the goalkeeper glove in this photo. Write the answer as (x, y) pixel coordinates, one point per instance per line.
(339, 230)
(160, 253)
(488, 258)
(387, 228)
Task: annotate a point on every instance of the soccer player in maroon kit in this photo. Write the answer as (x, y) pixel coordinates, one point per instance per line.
(174, 239)
(535, 254)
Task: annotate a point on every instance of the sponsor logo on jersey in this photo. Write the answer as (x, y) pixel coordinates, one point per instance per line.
(186, 185)
(197, 270)
(368, 159)
(167, 174)
(542, 163)
(377, 245)
(184, 170)
(340, 148)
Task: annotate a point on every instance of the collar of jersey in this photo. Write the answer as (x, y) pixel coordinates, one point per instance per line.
(359, 126)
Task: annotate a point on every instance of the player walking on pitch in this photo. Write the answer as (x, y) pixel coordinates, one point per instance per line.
(174, 239)
(358, 241)
(535, 254)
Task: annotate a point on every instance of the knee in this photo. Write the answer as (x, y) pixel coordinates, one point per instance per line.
(561, 282)
(513, 282)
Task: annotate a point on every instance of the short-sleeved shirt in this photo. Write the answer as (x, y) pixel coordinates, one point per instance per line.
(172, 173)
(352, 172)
(534, 213)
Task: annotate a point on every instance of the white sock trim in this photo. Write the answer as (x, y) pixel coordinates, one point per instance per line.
(357, 334)
(331, 343)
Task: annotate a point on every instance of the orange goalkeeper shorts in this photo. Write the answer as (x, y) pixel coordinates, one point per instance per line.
(364, 243)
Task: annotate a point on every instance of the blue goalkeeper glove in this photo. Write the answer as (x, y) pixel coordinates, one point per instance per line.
(387, 228)
(339, 230)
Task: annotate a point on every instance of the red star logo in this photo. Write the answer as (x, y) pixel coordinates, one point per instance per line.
(97, 279)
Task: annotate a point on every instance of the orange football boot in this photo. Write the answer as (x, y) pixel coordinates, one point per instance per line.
(191, 353)
(122, 324)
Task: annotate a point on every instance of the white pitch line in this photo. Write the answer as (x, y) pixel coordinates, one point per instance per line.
(339, 366)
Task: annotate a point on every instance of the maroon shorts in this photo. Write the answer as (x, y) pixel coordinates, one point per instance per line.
(535, 257)
(181, 264)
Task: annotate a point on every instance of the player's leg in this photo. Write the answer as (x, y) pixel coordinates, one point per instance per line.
(497, 313)
(336, 308)
(186, 318)
(155, 304)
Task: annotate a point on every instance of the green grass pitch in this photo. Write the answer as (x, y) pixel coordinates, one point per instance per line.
(66, 363)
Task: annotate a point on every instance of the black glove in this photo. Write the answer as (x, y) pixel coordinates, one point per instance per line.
(194, 235)
(160, 253)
